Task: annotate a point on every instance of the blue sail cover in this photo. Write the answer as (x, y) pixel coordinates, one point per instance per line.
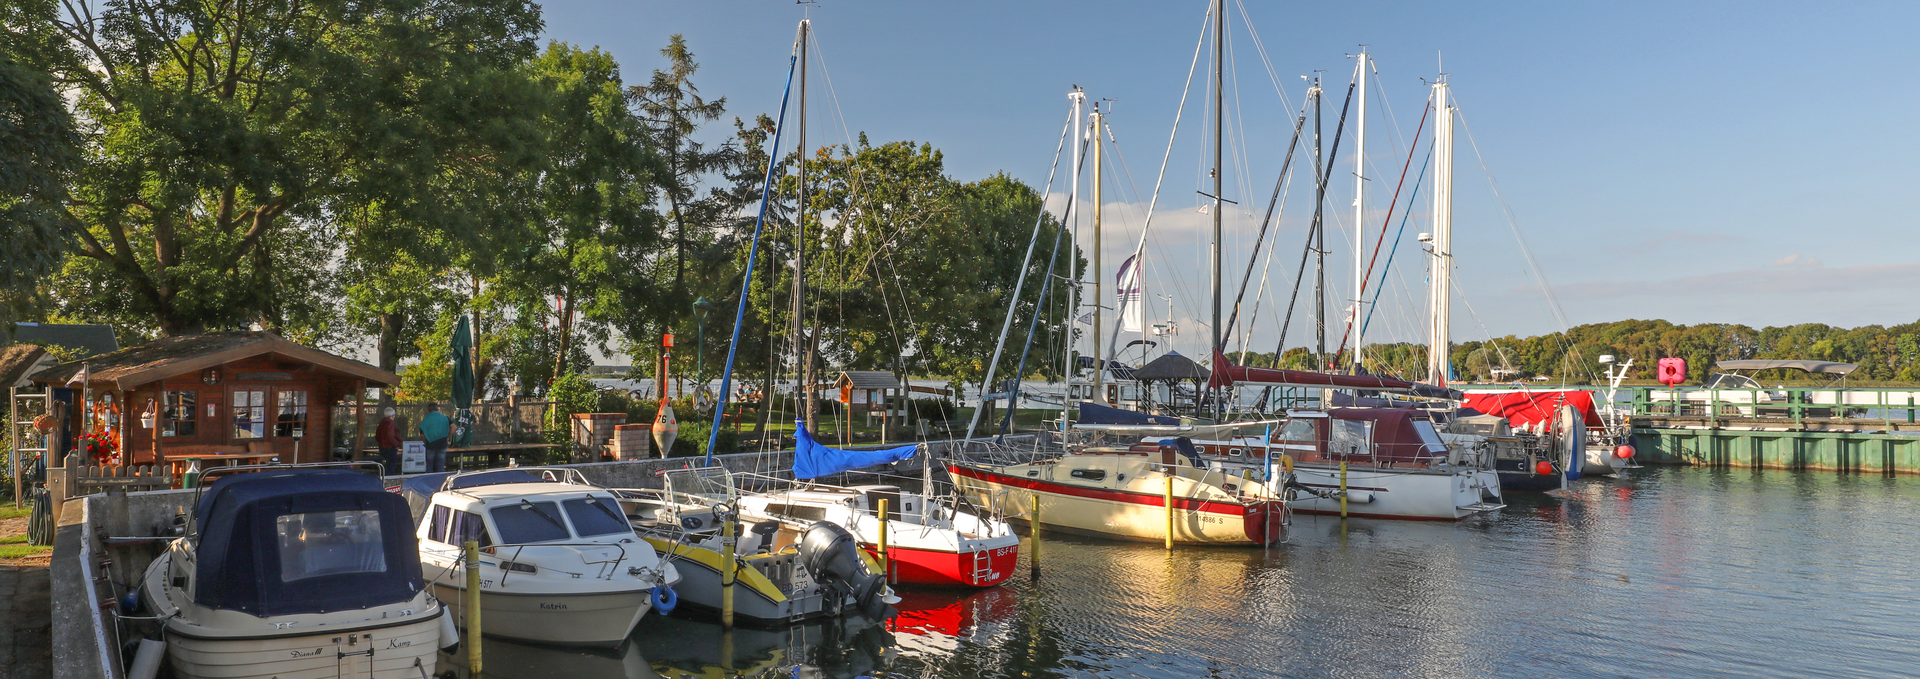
(812, 460)
(1094, 413)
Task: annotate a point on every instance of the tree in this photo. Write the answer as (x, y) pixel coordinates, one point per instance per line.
(223, 135)
(674, 110)
(38, 154)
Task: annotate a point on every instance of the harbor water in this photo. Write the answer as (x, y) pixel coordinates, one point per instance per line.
(1677, 572)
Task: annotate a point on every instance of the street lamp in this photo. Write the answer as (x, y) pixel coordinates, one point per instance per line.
(700, 308)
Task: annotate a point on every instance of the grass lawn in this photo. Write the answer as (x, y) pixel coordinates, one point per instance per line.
(7, 511)
(21, 551)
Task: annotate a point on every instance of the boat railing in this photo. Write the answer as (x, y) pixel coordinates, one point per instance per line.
(553, 474)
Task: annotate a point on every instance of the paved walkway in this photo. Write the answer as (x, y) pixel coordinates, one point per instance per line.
(26, 617)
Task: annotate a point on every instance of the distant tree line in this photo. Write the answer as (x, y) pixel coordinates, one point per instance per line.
(367, 171)
(1882, 352)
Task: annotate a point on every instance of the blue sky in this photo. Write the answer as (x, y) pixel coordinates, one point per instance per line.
(1698, 162)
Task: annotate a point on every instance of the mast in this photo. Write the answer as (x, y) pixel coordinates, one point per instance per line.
(1319, 242)
(1439, 338)
(1098, 360)
(1359, 212)
(1219, 128)
(1073, 254)
(803, 341)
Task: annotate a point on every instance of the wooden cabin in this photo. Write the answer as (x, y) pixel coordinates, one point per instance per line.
(217, 393)
(868, 390)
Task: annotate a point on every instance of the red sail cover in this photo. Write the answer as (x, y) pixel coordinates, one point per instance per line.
(1523, 408)
(1227, 374)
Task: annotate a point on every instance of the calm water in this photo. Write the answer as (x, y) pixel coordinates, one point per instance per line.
(1671, 572)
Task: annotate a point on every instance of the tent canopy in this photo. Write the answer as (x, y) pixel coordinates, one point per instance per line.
(1172, 366)
(1826, 367)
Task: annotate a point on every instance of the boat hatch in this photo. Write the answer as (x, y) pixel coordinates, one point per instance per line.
(1089, 474)
(800, 512)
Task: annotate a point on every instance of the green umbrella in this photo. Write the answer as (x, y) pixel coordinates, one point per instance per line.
(463, 384)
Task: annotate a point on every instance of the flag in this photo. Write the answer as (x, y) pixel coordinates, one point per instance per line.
(1086, 318)
(1127, 289)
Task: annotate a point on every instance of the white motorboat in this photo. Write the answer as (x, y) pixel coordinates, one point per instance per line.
(928, 542)
(561, 564)
(296, 573)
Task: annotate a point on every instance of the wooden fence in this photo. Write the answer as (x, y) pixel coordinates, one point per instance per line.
(78, 480)
(494, 423)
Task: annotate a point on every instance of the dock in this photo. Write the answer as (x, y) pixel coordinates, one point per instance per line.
(1838, 429)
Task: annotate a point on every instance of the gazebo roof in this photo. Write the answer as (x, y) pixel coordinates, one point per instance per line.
(170, 356)
(1172, 366)
(868, 379)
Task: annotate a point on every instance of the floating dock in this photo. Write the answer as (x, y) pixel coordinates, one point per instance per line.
(1838, 429)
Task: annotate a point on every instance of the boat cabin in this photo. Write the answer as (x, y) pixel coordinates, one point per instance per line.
(1379, 437)
(512, 507)
(294, 541)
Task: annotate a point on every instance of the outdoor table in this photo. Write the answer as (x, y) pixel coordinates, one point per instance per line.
(177, 464)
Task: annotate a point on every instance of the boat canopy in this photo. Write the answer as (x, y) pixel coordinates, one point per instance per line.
(1528, 408)
(1397, 434)
(419, 490)
(812, 460)
(1826, 367)
(295, 541)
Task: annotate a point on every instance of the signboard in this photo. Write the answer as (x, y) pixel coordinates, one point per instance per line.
(413, 457)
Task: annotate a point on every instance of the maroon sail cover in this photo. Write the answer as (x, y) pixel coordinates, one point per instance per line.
(1228, 374)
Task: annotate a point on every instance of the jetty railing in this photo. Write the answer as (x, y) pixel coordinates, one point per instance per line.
(1805, 406)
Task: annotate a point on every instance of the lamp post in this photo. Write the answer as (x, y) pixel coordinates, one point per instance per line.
(700, 308)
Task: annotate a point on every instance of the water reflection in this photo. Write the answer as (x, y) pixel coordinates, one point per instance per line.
(1670, 572)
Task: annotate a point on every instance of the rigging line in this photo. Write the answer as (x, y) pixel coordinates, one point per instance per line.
(1153, 203)
(1326, 175)
(1013, 399)
(1261, 49)
(1368, 278)
(1260, 293)
(1013, 302)
(1266, 221)
(1504, 360)
(753, 252)
(1414, 196)
(1526, 251)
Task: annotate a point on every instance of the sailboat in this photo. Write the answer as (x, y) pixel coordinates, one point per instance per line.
(1116, 491)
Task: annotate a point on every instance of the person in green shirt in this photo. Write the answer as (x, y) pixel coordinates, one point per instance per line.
(436, 429)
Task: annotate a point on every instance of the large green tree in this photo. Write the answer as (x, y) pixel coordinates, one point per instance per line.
(223, 140)
(38, 155)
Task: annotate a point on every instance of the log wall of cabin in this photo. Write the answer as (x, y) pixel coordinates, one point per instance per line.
(215, 428)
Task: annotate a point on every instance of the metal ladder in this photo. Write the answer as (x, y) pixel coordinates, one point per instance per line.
(982, 566)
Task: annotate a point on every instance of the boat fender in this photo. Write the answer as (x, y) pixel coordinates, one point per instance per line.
(130, 604)
(664, 599)
(1360, 497)
(449, 635)
(146, 661)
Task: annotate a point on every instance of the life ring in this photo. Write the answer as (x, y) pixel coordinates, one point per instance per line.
(664, 599)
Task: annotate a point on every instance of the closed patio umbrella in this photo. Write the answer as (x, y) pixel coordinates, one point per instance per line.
(462, 384)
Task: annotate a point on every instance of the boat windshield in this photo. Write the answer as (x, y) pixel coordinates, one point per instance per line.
(314, 544)
(1296, 431)
(529, 522)
(591, 517)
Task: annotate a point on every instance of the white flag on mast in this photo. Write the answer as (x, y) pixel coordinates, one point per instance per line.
(1127, 289)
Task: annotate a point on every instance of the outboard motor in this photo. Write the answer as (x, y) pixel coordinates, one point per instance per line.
(831, 554)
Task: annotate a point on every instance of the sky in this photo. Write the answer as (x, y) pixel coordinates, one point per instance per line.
(1695, 162)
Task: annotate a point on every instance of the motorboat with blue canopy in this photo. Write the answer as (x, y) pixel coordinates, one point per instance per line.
(291, 570)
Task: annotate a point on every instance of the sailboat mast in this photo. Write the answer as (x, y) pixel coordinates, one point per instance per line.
(1099, 361)
(1073, 254)
(1439, 338)
(803, 341)
(1219, 130)
(1319, 241)
(1359, 214)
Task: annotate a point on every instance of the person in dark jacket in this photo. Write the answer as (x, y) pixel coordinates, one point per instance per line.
(387, 436)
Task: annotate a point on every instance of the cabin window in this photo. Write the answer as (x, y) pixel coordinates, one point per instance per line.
(1350, 437)
(464, 526)
(592, 516)
(1236, 452)
(438, 531)
(316, 544)
(249, 414)
(1429, 438)
(801, 512)
(290, 419)
(177, 413)
(1297, 430)
(529, 522)
(1089, 474)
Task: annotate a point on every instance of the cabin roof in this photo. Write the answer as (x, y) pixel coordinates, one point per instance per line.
(1172, 366)
(18, 360)
(170, 356)
(89, 339)
(868, 379)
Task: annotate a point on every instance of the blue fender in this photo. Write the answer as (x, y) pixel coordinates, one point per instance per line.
(664, 599)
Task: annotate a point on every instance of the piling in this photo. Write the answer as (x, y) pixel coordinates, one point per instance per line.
(886, 563)
(471, 599)
(1343, 490)
(1169, 507)
(727, 570)
(1033, 541)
